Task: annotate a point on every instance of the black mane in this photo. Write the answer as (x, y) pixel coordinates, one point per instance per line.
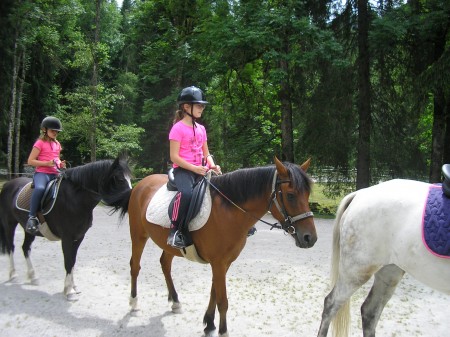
(85, 175)
(246, 184)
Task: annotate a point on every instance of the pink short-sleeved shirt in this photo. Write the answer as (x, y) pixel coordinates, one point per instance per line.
(191, 146)
(48, 151)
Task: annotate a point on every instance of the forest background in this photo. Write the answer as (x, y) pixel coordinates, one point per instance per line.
(361, 87)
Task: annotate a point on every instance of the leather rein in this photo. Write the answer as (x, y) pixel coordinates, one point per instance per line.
(287, 223)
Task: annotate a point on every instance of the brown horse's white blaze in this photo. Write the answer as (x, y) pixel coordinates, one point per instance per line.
(224, 235)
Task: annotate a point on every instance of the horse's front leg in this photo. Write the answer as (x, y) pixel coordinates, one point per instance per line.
(166, 266)
(219, 272)
(26, 248)
(208, 319)
(70, 249)
(137, 247)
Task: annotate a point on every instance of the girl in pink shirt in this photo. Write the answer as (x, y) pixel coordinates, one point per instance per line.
(190, 156)
(45, 157)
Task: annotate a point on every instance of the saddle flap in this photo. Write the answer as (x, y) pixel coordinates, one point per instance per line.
(196, 201)
(23, 199)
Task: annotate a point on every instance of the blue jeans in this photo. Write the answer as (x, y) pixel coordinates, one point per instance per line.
(40, 183)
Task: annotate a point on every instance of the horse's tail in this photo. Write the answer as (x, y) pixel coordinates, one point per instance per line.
(2, 240)
(2, 237)
(341, 321)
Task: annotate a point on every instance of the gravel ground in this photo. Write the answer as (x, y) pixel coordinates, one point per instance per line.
(274, 289)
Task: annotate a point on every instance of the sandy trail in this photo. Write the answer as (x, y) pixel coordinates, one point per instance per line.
(274, 289)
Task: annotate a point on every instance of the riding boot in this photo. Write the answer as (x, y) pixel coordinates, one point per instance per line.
(32, 225)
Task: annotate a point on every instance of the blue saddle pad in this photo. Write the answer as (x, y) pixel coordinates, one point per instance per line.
(436, 222)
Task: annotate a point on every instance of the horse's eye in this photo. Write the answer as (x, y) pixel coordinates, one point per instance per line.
(290, 196)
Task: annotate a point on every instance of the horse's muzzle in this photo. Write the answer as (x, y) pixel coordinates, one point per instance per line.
(304, 240)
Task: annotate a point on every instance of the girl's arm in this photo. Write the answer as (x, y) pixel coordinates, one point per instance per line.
(33, 161)
(175, 157)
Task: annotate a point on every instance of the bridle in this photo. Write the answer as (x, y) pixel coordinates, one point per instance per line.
(287, 224)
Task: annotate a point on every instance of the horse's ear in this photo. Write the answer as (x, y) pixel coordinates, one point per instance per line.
(305, 165)
(282, 171)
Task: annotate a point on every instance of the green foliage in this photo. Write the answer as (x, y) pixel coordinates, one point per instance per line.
(256, 60)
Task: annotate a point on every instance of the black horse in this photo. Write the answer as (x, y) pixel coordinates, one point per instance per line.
(81, 189)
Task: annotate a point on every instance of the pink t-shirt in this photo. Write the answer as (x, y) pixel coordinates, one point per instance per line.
(48, 151)
(191, 147)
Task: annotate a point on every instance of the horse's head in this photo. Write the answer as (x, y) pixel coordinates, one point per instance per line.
(290, 202)
(115, 188)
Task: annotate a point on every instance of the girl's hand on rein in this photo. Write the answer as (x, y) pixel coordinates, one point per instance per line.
(216, 169)
(201, 170)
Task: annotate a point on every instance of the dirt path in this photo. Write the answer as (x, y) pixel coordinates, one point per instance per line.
(274, 289)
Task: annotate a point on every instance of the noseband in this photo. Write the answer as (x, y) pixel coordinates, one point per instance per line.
(287, 224)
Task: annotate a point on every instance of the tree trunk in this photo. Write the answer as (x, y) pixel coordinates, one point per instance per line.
(287, 143)
(12, 110)
(446, 158)
(93, 134)
(363, 156)
(19, 113)
(439, 116)
(438, 134)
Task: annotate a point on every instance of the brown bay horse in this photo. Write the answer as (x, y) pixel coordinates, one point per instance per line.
(239, 199)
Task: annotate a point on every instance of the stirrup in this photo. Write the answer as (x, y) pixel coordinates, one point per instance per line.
(177, 240)
(31, 226)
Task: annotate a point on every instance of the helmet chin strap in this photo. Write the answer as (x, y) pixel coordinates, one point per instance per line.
(193, 118)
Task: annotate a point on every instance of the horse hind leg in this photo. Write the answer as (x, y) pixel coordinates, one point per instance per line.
(384, 285)
(7, 231)
(337, 304)
(26, 248)
(166, 266)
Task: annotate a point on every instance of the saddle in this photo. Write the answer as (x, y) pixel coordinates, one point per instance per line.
(446, 182)
(196, 201)
(48, 199)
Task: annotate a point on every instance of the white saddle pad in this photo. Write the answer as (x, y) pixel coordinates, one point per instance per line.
(157, 210)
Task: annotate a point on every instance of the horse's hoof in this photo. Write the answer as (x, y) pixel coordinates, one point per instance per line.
(72, 297)
(35, 281)
(135, 313)
(224, 334)
(210, 333)
(14, 278)
(176, 308)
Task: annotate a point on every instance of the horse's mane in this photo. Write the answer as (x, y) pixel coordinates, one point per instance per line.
(84, 175)
(245, 184)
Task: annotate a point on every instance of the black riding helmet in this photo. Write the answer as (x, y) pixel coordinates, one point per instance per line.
(51, 123)
(191, 95)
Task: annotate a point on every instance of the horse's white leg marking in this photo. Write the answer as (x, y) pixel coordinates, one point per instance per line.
(12, 269)
(31, 274)
(135, 311)
(176, 307)
(69, 290)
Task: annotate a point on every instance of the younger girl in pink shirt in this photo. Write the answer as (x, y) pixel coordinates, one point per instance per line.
(45, 157)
